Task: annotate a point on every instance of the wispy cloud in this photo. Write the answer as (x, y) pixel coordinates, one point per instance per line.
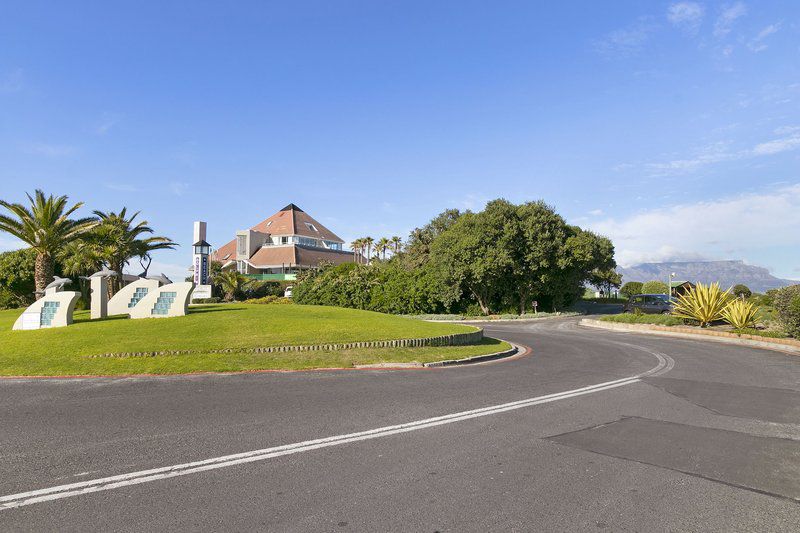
(686, 15)
(776, 146)
(178, 188)
(12, 81)
(728, 17)
(625, 41)
(104, 125)
(745, 222)
(48, 150)
(757, 43)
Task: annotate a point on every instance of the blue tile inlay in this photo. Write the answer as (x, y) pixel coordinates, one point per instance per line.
(140, 293)
(48, 312)
(163, 303)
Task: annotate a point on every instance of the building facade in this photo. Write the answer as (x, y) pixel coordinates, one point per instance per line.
(281, 246)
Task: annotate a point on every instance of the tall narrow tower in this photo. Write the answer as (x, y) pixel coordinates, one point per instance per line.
(200, 252)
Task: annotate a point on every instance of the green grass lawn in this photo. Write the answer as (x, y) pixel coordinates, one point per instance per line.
(67, 351)
(632, 318)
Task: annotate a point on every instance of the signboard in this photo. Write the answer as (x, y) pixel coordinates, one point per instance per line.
(197, 270)
(31, 320)
(201, 291)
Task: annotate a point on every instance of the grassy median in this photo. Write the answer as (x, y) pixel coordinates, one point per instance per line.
(69, 351)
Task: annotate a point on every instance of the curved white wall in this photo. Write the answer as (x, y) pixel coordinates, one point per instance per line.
(163, 302)
(119, 303)
(53, 310)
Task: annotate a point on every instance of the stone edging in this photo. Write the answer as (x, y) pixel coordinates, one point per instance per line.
(450, 362)
(505, 320)
(455, 339)
(784, 345)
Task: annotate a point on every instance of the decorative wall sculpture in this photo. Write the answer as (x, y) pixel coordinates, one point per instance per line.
(129, 296)
(163, 302)
(53, 310)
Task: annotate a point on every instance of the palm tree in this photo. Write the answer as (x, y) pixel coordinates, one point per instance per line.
(381, 246)
(356, 246)
(231, 283)
(396, 242)
(46, 227)
(119, 239)
(368, 243)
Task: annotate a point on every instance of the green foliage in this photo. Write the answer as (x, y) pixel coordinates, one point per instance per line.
(269, 300)
(741, 291)
(761, 333)
(232, 284)
(654, 287)
(740, 314)
(17, 282)
(704, 303)
(787, 303)
(212, 300)
(632, 288)
(640, 318)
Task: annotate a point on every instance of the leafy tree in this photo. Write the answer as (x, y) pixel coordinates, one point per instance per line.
(231, 283)
(45, 226)
(419, 243)
(396, 243)
(631, 288)
(787, 303)
(17, 277)
(382, 246)
(606, 279)
(119, 238)
(742, 291)
(655, 287)
(477, 252)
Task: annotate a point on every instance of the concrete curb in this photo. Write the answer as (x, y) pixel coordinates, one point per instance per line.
(506, 320)
(450, 362)
(787, 346)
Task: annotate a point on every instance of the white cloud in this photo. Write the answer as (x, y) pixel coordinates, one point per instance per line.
(778, 145)
(596, 212)
(49, 150)
(686, 15)
(730, 13)
(105, 124)
(716, 229)
(173, 271)
(785, 130)
(178, 188)
(757, 44)
(625, 41)
(121, 187)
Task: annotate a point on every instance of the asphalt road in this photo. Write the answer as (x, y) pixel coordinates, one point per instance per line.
(709, 440)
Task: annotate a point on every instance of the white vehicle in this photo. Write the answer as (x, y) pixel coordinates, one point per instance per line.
(288, 292)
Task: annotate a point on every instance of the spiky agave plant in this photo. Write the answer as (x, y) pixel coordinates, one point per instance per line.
(704, 303)
(740, 314)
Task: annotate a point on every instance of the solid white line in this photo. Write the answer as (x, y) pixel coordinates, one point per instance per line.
(134, 478)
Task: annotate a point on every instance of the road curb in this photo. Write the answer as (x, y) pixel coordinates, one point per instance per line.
(751, 341)
(449, 362)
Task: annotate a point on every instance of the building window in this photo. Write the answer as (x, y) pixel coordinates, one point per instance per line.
(284, 240)
(311, 226)
(241, 267)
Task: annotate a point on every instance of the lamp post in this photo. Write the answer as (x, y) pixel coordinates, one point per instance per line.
(669, 284)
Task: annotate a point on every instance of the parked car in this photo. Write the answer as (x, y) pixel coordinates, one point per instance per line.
(651, 304)
(288, 292)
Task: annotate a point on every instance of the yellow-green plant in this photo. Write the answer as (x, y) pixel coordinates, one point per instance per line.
(740, 314)
(704, 303)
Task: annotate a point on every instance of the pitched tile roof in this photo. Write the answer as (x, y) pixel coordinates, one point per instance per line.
(275, 256)
(291, 220)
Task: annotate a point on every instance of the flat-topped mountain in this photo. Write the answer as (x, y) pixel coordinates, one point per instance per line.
(726, 273)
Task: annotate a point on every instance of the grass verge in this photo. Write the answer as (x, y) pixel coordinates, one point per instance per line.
(632, 318)
(67, 351)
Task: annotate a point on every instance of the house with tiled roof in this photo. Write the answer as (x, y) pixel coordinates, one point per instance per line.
(281, 246)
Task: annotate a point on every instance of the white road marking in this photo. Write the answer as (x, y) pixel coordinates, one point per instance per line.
(144, 476)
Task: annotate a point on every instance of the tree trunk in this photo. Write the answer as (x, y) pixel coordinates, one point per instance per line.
(43, 272)
(523, 300)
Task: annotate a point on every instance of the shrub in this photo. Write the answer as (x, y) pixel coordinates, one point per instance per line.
(212, 300)
(632, 288)
(654, 287)
(269, 300)
(742, 291)
(640, 318)
(704, 303)
(740, 314)
(787, 303)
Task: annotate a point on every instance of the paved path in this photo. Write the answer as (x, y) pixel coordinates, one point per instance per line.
(593, 430)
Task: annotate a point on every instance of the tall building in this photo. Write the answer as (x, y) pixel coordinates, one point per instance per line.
(282, 245)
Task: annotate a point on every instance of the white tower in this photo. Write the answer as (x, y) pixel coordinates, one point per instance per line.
(200, 261)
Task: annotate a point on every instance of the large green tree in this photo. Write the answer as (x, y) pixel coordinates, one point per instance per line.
(45, 225)
(419, 243)
(17, 277)
(478, 252)
(118, 238)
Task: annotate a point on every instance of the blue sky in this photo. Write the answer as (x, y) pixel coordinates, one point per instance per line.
(672, 127)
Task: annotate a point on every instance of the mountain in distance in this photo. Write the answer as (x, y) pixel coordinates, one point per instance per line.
(726, 273)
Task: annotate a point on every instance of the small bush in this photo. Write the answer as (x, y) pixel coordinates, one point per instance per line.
(269, 300)
(787, 303)
(212, 300)
(704, 303)
(740, 314)
(632, 288)
(742, 291)
(654, 287)
(761, 333)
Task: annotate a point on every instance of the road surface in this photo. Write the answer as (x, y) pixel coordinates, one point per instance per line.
(592, 430)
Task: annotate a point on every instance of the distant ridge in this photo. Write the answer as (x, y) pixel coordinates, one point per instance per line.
(726, 273)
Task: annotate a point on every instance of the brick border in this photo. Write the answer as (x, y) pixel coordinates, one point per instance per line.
(789, 346)
(454, 339)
